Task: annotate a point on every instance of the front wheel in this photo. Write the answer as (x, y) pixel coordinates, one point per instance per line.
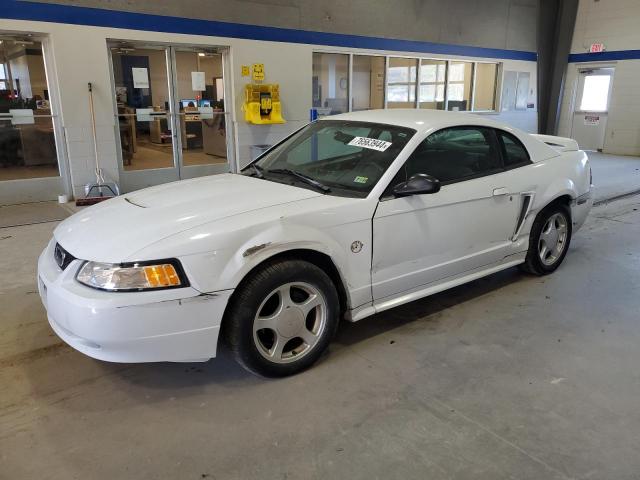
(549, 240)
(282, 318)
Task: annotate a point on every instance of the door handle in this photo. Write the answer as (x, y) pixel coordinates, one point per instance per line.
(500, 191)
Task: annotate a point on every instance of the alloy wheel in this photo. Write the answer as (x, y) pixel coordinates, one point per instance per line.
(289, 322)
(553, 239)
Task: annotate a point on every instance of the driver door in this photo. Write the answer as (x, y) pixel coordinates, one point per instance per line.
(422, 239)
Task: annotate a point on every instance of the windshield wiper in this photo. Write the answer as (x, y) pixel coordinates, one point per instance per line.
(301, 176)
(258, 169)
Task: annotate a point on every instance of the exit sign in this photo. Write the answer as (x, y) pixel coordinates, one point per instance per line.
(596, 48)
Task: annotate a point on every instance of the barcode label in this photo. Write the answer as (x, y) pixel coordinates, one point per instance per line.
(370, 143)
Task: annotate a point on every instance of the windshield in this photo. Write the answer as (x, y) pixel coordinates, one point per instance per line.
(338, 157)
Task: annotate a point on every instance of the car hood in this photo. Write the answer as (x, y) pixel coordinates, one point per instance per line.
(114, 230)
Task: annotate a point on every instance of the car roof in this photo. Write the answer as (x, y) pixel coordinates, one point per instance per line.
(418, 119)
(425, 121)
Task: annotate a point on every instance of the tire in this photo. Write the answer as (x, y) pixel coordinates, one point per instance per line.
(273, 310)
(539, 262)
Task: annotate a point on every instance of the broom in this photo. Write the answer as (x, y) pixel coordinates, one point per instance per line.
(99, 190)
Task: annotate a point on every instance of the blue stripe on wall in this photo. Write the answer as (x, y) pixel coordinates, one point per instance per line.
(47, 12)
(605, 56)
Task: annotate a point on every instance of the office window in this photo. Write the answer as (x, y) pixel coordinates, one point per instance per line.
(368, 82)
(27, 148)
(485, 87)
(459, 85)
(330, 83)
(432, 80)
(402, 77)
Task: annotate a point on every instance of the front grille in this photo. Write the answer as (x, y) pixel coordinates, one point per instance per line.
(62, 257)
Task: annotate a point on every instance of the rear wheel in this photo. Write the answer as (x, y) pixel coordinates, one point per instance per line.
(282, 318)
(549, 240)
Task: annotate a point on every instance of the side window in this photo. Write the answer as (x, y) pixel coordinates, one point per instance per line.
(514, 152)
(457, 153)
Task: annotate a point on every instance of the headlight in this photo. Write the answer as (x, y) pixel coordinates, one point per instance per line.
(133, 276)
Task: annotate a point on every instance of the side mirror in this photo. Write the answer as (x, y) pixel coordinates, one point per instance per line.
(418, 184)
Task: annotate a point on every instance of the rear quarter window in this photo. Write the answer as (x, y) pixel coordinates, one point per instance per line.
(514, 152)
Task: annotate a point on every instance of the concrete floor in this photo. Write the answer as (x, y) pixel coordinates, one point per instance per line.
(509, 377)
(614, 174)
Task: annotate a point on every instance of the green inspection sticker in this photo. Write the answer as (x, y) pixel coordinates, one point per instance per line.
(361, 180)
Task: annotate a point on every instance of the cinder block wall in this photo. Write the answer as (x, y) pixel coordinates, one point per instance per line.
(614, 23)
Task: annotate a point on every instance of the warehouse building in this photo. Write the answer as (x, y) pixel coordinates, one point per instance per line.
(367, 205)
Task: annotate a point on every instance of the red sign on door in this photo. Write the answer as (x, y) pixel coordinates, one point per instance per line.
(596, 48)
(592, 120)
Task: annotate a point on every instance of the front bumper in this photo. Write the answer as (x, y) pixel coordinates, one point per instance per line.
(167, 325)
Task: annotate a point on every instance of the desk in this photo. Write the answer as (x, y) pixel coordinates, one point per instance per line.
(193, 133)
(159, 130)
(9, 145)
(38, 145)
(191, 127)
(214, 137)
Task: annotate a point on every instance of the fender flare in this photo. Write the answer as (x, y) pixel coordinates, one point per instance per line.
(559, 188)
(268, 244)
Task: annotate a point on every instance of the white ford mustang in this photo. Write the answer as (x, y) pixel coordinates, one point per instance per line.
(349, 216)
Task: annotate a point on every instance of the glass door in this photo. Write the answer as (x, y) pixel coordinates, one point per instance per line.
(29, 125)
(199, 86)
(171, 117)
(144, 119)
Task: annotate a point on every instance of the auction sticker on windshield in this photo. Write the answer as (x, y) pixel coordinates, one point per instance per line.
(370, 143)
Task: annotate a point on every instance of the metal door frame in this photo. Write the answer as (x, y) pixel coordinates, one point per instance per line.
(43, 188)
(135, 179)
(582, 71)
(192, 171)
(178, 170)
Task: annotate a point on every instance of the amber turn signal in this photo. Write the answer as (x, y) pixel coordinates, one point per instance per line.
(162, 276)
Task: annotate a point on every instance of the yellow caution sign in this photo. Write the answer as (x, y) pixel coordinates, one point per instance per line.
(258, 72)
(246, 71)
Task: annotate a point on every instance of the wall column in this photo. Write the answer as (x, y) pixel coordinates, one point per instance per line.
(556, 21)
